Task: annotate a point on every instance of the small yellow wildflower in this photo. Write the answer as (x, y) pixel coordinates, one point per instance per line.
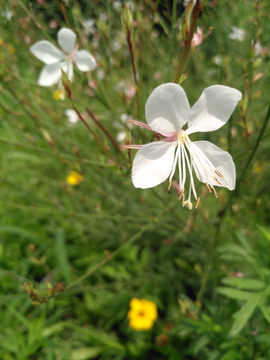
(1, 41)
(74, 178)
(59, 95)
(142, 314)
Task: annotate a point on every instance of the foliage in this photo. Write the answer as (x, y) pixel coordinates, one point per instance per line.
(83, 252)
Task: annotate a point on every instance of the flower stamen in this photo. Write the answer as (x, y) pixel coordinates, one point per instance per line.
(215, 193)
(208, 187)
(181, 194)
(197, 203)
(219, 174)
(217, 181)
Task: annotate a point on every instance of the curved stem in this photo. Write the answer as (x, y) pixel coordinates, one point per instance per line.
(183, 61)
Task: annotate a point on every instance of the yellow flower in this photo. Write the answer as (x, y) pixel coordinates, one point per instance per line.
(74, 178)
(142, 314)
(59, 95)
(1, 41)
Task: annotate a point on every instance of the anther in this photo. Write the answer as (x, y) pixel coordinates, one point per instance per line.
(183, 200)
(181, 194)
(219, 174)
(169, 187)
(215, 193)
(208, 187)
(197, 203)
(217, 181)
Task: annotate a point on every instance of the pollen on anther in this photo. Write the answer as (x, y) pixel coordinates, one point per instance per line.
(219, 174)
(208, 187)
(217, 181)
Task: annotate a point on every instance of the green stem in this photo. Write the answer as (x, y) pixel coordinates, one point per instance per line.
(110, 256)
(95, 136)
(183, 61)
(265, 122)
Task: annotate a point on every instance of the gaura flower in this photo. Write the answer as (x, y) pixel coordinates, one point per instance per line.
(72, 116)
(167, 111)
(237, 34)
(142, 314)
(56, 60)
(74, 178)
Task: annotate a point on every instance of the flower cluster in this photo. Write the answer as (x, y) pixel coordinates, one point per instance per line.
(142, 314)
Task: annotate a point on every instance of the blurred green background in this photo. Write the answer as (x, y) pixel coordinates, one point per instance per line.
(207, 270)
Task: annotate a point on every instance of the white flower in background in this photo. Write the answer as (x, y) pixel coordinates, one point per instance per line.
(167, 111)
(100, 73)
(237, 34)
(120, 137)
(56, 60)
(218, 60)
(73, 117)
(116, 4)
(7, 14)
(89, 26)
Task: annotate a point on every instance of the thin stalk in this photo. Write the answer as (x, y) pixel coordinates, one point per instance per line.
(183, 61)
(98, 123)
(63, 11)
(134, 72)
(110, 256)
(95, 136)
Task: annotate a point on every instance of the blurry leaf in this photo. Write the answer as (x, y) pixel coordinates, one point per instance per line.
(244, 242)
(201, 343)
(244, 314)
(234, 293)
(249, 284)
(234, 249)
(265, 232)
(62, 255)
(99, 337)
(53, 329)
(214, 355)
(265, 312)
(231, 355)
(19, 232)
(85, 353)
(20, 155)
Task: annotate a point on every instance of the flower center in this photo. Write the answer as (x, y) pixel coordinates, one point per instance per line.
(182, 137)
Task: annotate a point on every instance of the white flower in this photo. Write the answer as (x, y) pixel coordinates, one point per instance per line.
(120, 137)
(89, 26)
(56, 60)
(73, 117)
(237, 34)
(167, 111)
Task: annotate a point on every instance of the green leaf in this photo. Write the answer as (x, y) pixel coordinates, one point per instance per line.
(85, 353)
(201, 343)
(265, 312)
(265, 232)
(234, 293)
(248, 284)
(245, 313)
(62, 255)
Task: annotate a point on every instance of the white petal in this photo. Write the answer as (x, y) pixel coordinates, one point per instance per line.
(221, 161)
(167, 108)
(50, 74)
(47, 52)
(67, 40)
(213, 109)
(72, 116)
(152, 164)
(85, 61)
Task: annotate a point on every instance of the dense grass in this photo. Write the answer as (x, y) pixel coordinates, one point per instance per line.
(105, 241)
